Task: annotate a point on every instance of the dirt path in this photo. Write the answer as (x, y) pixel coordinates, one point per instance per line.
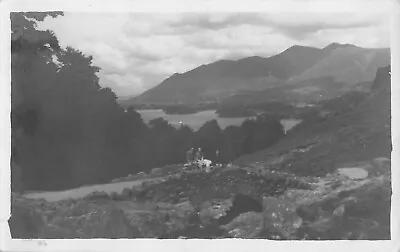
(81, 192)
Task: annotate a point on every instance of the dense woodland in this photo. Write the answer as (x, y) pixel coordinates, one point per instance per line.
(67, 131)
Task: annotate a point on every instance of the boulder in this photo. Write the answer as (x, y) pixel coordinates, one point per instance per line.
(210, 211)
(353, 172)
(280, 216)
(247, 225)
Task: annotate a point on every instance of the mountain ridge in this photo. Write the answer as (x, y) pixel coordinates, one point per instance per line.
(222, 79)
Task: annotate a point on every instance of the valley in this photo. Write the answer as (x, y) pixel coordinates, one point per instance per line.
(262, 139)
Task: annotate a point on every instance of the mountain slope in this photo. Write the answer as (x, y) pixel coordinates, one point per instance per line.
(349, 64)
(223, 78)
(318, 146)
(217, 81)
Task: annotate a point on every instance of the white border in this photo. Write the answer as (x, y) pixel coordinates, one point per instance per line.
(186, 6)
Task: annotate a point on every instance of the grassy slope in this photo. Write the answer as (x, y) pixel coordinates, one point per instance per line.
(323, 145)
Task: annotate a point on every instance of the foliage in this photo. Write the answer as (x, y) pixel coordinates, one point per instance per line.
(68, 131)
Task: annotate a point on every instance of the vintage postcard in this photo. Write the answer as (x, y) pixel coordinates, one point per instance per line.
(188, 125)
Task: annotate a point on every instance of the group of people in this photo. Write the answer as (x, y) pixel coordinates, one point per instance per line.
(193, 156)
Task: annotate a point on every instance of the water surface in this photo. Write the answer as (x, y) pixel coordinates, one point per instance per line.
(196, 120)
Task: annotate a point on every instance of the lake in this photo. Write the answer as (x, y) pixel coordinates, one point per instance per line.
(196, 120)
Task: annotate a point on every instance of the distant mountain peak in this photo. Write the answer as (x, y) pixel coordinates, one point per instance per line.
(335, 45)
(299, 47)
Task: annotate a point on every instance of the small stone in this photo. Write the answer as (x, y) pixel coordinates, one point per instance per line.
(339, 211)
(353, 173)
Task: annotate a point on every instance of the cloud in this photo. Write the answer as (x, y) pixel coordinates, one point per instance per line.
(298, 27)
(137, 51)
(305, 24)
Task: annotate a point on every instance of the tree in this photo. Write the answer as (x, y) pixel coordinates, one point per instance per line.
(208, 137)
(30, 77)
(67, 131)
(261, 133)
(232, 141)
(69, 122)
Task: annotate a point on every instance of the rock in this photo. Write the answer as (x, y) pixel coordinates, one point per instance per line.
(339, 211)
(281, 216)
(247, 225)
(83, 219)
(94, 221)
(307, 212)
(211, 211)
(159, 223)
(348, 210)
(353, 173)
(26, 221)
(141, 174)
(332, 207)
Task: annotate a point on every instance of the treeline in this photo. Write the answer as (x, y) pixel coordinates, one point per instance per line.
(179, 110)
(232, 108)
(67, 131)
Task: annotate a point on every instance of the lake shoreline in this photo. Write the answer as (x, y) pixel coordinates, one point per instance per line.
(196, 120)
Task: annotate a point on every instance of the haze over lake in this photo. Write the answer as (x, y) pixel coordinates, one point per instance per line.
(196, 120)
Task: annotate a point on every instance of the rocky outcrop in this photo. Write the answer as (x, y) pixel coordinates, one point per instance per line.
(201, 186)
(68, 219)
(26, 221)
(224, 203)
(382, 79)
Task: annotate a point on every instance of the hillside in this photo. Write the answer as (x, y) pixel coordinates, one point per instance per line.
(352, 135)
(338, 63)
(328, 179)
(349, 64)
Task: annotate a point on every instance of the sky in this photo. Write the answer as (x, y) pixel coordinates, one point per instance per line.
(137, 51)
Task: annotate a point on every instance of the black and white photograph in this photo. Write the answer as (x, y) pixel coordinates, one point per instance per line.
(201, 124)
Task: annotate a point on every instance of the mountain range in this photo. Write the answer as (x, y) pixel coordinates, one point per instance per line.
(300, 73)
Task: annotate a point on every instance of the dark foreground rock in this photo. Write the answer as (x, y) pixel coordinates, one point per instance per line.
(224, 203)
